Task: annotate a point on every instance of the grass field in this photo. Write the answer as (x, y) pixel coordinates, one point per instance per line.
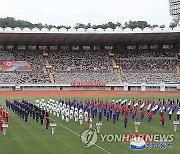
(32, 138)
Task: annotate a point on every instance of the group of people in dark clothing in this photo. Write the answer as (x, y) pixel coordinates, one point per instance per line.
(26, 109)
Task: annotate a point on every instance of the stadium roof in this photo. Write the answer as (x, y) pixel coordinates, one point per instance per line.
(26, 36)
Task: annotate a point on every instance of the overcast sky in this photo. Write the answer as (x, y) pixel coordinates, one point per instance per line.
(69, 12)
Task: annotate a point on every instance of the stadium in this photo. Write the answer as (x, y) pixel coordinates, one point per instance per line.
(113, 57)
(76, 90)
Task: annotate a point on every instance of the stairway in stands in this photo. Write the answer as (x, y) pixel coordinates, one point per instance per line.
(48, 68)
(116, 69)
(178, 59)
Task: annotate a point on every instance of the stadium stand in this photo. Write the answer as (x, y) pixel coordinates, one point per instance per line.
(137, 66)
(36, 64)
(81, 66)
(150, 66)
(79, 60)
(32, 56)
(152, 78)
(4, 55)
(20, 77)
(65, 78)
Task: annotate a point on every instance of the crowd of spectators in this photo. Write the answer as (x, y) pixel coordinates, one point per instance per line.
(5, 55)
(30, 78)
(36, 63)
(137, 66)
(152, 78)
(145, 53)
(147, 60)
(67, 78)
(148, 65)
(79, 60)
(32, 56)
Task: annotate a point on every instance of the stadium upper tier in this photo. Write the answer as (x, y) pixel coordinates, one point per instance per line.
(147, 60)
(137, 66)
(80, 60)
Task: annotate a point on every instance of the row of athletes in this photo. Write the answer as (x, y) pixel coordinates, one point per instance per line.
(25, 109)
(68, 109)
(68, 113)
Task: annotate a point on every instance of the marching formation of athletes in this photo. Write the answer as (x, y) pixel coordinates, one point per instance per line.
(25, 110)
(87, 110)
(64, 111)
(4, 118)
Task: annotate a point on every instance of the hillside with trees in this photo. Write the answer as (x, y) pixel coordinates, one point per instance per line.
(12, 22)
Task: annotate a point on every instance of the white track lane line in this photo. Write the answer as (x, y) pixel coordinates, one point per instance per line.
(80, 135)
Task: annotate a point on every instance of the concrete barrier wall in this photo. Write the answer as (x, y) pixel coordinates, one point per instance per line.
(36, 87)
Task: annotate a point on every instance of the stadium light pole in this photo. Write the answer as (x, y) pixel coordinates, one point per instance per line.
(174, 9)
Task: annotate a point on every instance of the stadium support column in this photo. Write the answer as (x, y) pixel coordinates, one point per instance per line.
(91, 47)
(27, 47)
(160, 46)
(123, 47)
(102, 47)
(48, 47)
(59, 48)
(149, 46)
(81, 47)
(114, 48)
(5, 47)
(175, 46)
(70, 48)
(37, 48)
(15, 47)
(137, 47)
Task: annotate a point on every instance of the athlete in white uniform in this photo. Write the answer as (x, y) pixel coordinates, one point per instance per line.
(178, 113)
(54, 110)
(81, 118)
(75, 116)
(67, 115)
(176, 123)
(136, 124)
(57, 112)
(53, 125)
(71, 113)
(86, 116)
(63, 113)
(98, 126)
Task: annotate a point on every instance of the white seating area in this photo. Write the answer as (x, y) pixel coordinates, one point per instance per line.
(162, 60)
(86, 77)
(150, 66)
(30, 78)
(5, 55)
(80, 60)
(33, 57)
(145, 53)
(151, 78)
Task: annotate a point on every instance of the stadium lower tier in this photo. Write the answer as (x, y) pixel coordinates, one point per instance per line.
(152, 78)
(65, 78)
(6, 78)
(109, 78)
